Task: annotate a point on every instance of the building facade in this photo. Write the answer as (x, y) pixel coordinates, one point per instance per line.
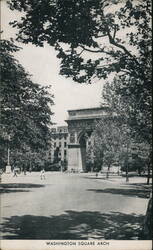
(59, 145)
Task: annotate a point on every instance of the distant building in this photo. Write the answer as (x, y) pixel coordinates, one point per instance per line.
(59, 142)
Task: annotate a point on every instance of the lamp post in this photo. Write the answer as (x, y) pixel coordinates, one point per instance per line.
(8, 166)
(127, 170)
(126, 133)
(127, 158)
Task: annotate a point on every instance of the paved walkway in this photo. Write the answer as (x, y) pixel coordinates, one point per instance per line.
(72, 206)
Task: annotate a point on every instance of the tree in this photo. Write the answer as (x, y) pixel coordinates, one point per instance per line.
(25, 117)
(90, 155)
(113, 141)
(94, 39)
(135, 111)
(146, 233)
(108, 140)
(89, 26)
(132, 104)
(28, 159)
(108, 160)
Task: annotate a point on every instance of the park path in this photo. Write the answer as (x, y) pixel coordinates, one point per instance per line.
(71, 206)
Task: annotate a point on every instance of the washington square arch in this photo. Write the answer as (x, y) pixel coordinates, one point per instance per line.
(81, 123)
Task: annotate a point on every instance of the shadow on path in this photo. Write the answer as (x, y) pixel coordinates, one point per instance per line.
(141, 185)
(74, 225)
(141, 193)
(94, 177)
(17, 187)
(7, 190)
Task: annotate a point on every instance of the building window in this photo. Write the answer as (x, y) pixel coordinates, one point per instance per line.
(65, 144)
(65, 152)
(54, 137)
(72, 113)
(54, 144)
(60, 144)
(60, 137)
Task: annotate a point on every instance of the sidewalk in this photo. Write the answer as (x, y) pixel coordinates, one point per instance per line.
(122, 180)
(35, 176)
(72, 206)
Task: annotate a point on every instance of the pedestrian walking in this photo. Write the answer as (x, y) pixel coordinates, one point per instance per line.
(96, 174)
(15, 172)
(25, 171)
(42, 174)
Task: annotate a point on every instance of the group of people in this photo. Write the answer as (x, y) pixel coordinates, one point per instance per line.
(17, 171)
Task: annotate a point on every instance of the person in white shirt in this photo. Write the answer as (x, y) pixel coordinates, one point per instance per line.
(42, 174)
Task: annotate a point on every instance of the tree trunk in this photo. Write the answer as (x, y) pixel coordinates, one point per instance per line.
(107, 174)
(149, 166)
(139, 171)
(148, 176)
(146, 233)
(127, 163)
(127, 173)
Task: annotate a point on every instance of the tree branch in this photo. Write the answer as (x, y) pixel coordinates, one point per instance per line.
(112, 41)
(81, 52)
(100, 36)
(90, 50)
(96, 51)
(115, 30)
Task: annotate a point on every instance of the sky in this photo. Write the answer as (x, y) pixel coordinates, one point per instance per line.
(43, 65)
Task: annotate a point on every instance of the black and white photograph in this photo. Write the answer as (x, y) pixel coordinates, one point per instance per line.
(76, 124)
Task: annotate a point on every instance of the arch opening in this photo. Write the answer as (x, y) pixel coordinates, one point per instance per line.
(83, 141)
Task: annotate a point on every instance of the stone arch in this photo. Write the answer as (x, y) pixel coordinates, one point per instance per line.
(81, 124)
(85, 133)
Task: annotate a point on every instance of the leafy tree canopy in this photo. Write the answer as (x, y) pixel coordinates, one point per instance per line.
(108, 139)
(25, 106)
(94, 39)
(107, 29)
(130, 100)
